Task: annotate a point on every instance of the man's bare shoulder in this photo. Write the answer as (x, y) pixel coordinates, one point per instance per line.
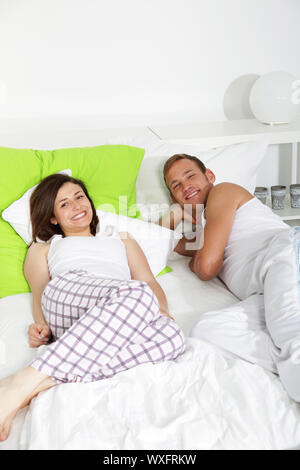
(230, 187)
(230, 194)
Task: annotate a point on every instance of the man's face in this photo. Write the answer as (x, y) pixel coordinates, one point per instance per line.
(187, 183)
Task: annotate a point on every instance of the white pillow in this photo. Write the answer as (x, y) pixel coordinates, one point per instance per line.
(18, 213)
(156, 242)
(237, 163)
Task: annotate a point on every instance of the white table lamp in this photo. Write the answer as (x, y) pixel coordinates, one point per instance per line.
(274, 98)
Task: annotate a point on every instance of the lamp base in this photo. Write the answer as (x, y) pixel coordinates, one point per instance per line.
(275, 123)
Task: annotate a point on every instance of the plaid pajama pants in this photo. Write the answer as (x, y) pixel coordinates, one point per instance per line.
(102, 327)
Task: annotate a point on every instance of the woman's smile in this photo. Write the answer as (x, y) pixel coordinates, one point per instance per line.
(79, 216)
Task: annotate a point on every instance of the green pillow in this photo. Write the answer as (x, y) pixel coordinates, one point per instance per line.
(166, 270)
(108, 171)
(13, 252)
(20, 170)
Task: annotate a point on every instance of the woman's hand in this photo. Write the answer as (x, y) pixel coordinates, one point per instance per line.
(39, 333)
(164, 312)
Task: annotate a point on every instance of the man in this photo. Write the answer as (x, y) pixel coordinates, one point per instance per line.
(253, 252)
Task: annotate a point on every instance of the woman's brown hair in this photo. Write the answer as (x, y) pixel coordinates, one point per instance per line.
(42, 206)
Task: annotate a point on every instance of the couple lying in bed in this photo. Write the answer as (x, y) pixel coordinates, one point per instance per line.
(98, 305)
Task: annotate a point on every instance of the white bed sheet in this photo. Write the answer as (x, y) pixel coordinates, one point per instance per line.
(202, 400)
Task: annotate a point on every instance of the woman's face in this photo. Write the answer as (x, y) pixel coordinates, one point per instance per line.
(72, 210)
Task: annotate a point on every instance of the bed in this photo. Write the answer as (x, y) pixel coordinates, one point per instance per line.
(205, 399)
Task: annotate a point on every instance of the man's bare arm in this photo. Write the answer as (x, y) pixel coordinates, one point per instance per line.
(221, 206)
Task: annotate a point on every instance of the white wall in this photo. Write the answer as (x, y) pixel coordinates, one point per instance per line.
(142, 61)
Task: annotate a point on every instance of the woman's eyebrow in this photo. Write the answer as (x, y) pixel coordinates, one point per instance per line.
(67, 197)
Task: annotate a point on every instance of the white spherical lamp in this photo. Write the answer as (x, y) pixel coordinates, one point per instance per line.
(273, 98)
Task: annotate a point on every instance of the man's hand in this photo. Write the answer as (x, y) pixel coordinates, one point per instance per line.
(192, 215)
(172, 218)
(39, 333)
(191, 264)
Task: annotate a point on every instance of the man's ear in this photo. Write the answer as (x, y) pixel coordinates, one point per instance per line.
(210, 175)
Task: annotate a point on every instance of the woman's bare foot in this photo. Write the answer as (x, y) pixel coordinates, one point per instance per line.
(16, 390)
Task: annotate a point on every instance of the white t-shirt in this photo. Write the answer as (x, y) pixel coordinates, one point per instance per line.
(105, 256)
(254, 227)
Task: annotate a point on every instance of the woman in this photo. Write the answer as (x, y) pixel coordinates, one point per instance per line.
(95, 300)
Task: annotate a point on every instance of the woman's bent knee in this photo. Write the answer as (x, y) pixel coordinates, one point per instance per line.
(176, 339)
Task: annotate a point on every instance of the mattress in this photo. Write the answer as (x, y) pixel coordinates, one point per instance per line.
(205, 399)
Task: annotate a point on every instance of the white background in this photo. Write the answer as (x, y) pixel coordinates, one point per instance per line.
(143, 62)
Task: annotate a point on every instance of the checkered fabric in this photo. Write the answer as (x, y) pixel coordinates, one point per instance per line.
(102, 327)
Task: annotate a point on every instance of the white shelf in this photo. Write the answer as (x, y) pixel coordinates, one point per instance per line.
(288, 213)
(229, 132)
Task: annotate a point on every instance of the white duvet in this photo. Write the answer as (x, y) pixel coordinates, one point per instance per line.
(202, 400)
